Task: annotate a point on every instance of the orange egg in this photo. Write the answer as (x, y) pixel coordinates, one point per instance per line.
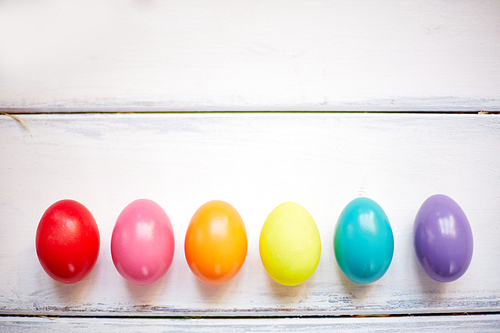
(216, 242)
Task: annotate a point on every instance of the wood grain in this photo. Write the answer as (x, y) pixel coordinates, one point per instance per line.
(254, 162)
(482, 323)
(140, 55)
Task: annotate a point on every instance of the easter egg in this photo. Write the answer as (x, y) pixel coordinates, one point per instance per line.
(67, 241)
(442, 238)
(363, 241)
(142, 243)
(290, 244)
(216, 243)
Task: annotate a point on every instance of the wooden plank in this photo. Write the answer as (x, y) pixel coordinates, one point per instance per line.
(431, 55)
(254, 162)
(477, 323)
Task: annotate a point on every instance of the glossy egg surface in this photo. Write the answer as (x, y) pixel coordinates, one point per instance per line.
(216, 242)
(442, 238)
(67, 241)
(290, 244)
(363, 241)
(142, 243)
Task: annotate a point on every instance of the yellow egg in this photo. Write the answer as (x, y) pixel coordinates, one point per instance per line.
(290, 245)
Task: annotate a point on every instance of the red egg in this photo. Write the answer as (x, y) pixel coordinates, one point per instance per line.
(67, 241)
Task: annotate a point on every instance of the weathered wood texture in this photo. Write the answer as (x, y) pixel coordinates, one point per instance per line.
(478, 323)
(196, 55)
(254, 162)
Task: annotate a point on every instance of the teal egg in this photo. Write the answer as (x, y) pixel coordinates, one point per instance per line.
(363, 241)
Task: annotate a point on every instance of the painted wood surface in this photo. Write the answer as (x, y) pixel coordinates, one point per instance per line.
(254, 162)
(478, 323)
(149, 55)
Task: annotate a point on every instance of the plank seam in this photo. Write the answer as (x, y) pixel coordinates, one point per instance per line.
(27, 112)
(308, 316)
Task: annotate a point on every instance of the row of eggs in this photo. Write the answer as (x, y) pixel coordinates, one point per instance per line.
(142, 242)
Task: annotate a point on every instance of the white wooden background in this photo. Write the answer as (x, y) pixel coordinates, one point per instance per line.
(295, 55)
(119, 55)
(255, 162)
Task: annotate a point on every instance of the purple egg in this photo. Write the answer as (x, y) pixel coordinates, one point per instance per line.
(442, 238)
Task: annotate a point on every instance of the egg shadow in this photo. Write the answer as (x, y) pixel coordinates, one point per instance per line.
(287, 294)
(147, 294)
(214, 293)
(434, 290)
(357, 291)
(74, 292)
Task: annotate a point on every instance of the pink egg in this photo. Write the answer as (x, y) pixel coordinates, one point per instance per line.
(142, 244)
